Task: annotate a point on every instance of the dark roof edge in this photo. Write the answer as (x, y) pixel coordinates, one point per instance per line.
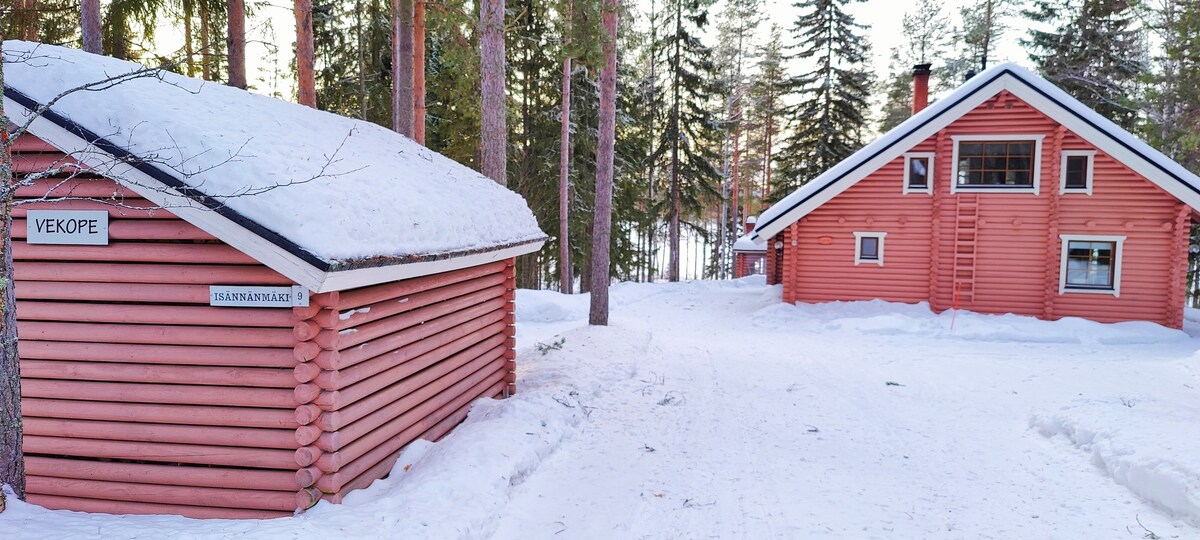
(388, 260)
(960, 99)
(167, 179)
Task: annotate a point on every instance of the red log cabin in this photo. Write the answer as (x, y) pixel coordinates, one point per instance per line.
(245, 336)
(749, 257)
(1007, 196)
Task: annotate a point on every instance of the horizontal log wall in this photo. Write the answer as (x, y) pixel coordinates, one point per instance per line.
(137, 396)
(1017, 247)
(387, 364)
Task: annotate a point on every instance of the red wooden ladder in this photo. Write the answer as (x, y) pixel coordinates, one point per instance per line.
(966, 237)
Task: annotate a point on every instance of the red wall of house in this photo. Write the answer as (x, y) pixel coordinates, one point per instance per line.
(1017, 251)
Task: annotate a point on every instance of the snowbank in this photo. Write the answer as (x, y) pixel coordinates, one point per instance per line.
(889, 318)
(455, 488)
(340, 188)
(1137, 441)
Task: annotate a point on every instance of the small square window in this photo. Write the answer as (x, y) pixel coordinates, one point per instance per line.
(918, 172)
(868, 247)
(1077, 171)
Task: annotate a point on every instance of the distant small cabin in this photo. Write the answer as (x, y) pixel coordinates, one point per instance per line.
(749, 258)
(1006, 196)
(241, 306)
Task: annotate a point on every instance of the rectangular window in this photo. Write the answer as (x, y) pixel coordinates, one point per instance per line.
(1091, 264)
(1077, 171)
(997, 164)
(868, 247)
(918, 172)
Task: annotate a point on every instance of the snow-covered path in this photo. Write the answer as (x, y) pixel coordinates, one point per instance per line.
(711, 410)
(730, 431)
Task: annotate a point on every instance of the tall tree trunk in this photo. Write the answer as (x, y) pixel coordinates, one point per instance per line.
(12, 460)
(30, 8)
(605, 147)
(402, 67)
(493, 141)
(362, 60)
(419, 71)
(89, 19)
(205, 43)
(189, 47)
(566, 282)
(676, 134)
(306, 78)
(236, 43)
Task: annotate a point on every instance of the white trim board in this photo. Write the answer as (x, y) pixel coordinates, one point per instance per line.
(1088, 172)
(1037, 92)
(234, 234)
(1119, 245)
(1036, 157)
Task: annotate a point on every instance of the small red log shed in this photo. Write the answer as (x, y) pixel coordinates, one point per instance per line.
(155, 381)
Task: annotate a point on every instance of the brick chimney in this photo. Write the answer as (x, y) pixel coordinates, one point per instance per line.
(920, 87)
(749, 224)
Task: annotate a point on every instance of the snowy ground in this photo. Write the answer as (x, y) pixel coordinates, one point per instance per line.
(709, 409)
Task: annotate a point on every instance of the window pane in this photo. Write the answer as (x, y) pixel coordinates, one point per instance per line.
(918, 171)
(869, 248)
(1091, 264)
(1076, 172)
(995, 149)
(1021, 149)
(970, 149)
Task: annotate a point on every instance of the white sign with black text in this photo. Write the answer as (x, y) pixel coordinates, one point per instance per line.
(249, 296)
(67, 227)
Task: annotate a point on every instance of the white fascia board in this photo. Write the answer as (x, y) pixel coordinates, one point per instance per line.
(362, 277)
(233, 234)
(841, 180)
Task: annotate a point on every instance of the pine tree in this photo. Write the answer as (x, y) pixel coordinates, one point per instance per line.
(982, 24)
(1093, 52)
(925, 32)
(306, 86)
(235, 43)
(828, 119)
(689, 140)
(734, 52)
(766, 110)
(607, 133)
(1173, 96)
(90, 25)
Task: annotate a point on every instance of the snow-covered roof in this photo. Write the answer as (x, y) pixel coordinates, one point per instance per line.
(746, 244)
(1029, 87)
(329, 201)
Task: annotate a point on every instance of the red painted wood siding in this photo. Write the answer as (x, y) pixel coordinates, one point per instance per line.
(1017, 250)
(744, 263)
(140, 398)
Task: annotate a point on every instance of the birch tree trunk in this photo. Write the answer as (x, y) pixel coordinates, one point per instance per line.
(402, 67)
(306, 82)
(602, 229)
(493, 137)
(89, 19)
(419, 71)
(566, 281)
(236, 43)
(12, 460)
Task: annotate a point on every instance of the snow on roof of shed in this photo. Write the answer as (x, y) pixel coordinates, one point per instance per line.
(1024, 84)
(744, 243)
(334, 193)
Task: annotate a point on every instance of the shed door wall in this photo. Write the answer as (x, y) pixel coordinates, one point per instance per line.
(137, 396)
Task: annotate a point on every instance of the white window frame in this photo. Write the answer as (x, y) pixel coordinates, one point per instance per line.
(1062, 176)
(929, 178)
(1119, 241)
(858, 236)
(1037, 164)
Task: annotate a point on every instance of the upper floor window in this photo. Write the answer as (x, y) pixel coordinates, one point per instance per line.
(918, 172)
(1077, 171)
(998, 162)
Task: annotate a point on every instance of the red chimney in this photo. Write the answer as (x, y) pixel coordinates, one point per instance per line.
(749, 224)
(920, 87)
